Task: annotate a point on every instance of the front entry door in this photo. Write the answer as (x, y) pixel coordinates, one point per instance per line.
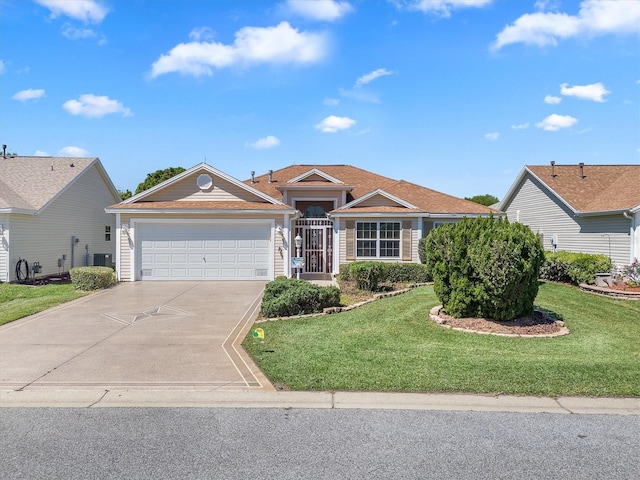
(317, 248)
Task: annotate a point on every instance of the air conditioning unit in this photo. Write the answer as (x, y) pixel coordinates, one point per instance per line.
(103, 260)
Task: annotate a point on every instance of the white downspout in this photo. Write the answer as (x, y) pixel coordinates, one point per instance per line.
(632, 234)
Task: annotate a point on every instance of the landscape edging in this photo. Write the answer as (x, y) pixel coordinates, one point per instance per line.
(332, 310)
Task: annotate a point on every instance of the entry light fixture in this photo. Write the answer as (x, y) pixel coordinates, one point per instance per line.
(125, 228)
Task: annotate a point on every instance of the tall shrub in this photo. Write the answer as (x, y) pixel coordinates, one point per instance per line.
(485, 267)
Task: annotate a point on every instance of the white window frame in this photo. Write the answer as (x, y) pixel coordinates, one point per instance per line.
(378, 240)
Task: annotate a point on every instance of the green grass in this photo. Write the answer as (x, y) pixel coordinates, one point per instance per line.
(17, 301)
(390, 345)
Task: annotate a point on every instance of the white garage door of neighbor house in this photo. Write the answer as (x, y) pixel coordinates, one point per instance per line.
(205, 251)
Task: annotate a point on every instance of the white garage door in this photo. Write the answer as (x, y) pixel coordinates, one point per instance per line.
(204, 251)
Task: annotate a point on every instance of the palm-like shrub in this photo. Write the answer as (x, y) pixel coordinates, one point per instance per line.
(485, 267)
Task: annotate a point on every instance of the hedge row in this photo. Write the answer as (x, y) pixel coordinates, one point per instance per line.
(574, 268)
(368, 275)
(285, 297)
(92, 278)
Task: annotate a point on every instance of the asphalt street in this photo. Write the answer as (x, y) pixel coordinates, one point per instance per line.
(247, 443)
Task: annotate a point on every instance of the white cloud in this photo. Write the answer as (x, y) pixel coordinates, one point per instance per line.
(73, 33)
(201, 33)
(331, 102)
(441, 8)
(595, 91)
(40, 153)
(29, 94)
(359, 95)
(91, 105)
(72, 151)
(551, 100)
(555, 122)
(520, 126)
(594, 18)
(1, 67)
(370, 77)
(323, 10)
(267, 142)
(252, 45)
(492, 136)
(89, 11)
(332, 124)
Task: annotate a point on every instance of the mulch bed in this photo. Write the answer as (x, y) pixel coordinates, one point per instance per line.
(539, 324)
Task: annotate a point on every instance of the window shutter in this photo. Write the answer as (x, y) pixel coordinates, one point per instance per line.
(406, 240)
(350, 240)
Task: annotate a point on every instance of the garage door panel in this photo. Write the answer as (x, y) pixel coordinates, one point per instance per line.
(204, 251)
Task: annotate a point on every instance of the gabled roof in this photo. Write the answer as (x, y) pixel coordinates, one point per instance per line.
(361, 181)
(400, 203)
(410, 198)
(203, 167)
(588, 188)
(143, 202)
(314, 173)
(29, 184)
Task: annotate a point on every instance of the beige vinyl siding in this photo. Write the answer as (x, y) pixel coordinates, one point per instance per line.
(78, 211)
(188, 190)
(535, 207)
(127, 242)
(4, 247)
(378, 201)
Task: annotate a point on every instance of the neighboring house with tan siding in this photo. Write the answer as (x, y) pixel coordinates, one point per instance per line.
(204, 224)
(580, 208)
(46, 204)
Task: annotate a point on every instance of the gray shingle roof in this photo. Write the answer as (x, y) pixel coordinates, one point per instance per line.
(30, 183)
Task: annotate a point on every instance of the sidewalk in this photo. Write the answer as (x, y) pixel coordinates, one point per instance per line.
(124, 397)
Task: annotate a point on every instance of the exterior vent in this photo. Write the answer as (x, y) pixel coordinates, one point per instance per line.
(262, 272)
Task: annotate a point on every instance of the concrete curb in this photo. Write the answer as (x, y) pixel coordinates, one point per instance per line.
(177, 398)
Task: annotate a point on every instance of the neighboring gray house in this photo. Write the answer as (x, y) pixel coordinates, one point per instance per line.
(580, 208)
(52, 212)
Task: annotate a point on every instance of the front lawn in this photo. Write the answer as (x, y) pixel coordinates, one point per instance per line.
(391, 345)
(17, 301)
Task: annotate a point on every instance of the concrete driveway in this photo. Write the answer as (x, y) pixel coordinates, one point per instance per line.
(142, 334)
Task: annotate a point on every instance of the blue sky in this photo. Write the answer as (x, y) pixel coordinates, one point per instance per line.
(455, 95)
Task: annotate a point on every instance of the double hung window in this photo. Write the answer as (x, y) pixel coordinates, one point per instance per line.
(378, 239)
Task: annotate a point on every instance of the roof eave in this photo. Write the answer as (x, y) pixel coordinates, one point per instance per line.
(188, 211)
(597, 213)
(18, 211)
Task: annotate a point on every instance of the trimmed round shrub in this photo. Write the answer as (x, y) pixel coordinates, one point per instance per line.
(288, 296)
(485, 267)
(367, 275)
(92, 278)
(343, 275)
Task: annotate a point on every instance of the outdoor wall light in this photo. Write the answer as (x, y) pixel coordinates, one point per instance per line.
(279, 229)
(125, 228)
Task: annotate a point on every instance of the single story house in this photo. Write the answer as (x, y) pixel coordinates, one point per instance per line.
(580, 208)
(52, 214)
(205, 224)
